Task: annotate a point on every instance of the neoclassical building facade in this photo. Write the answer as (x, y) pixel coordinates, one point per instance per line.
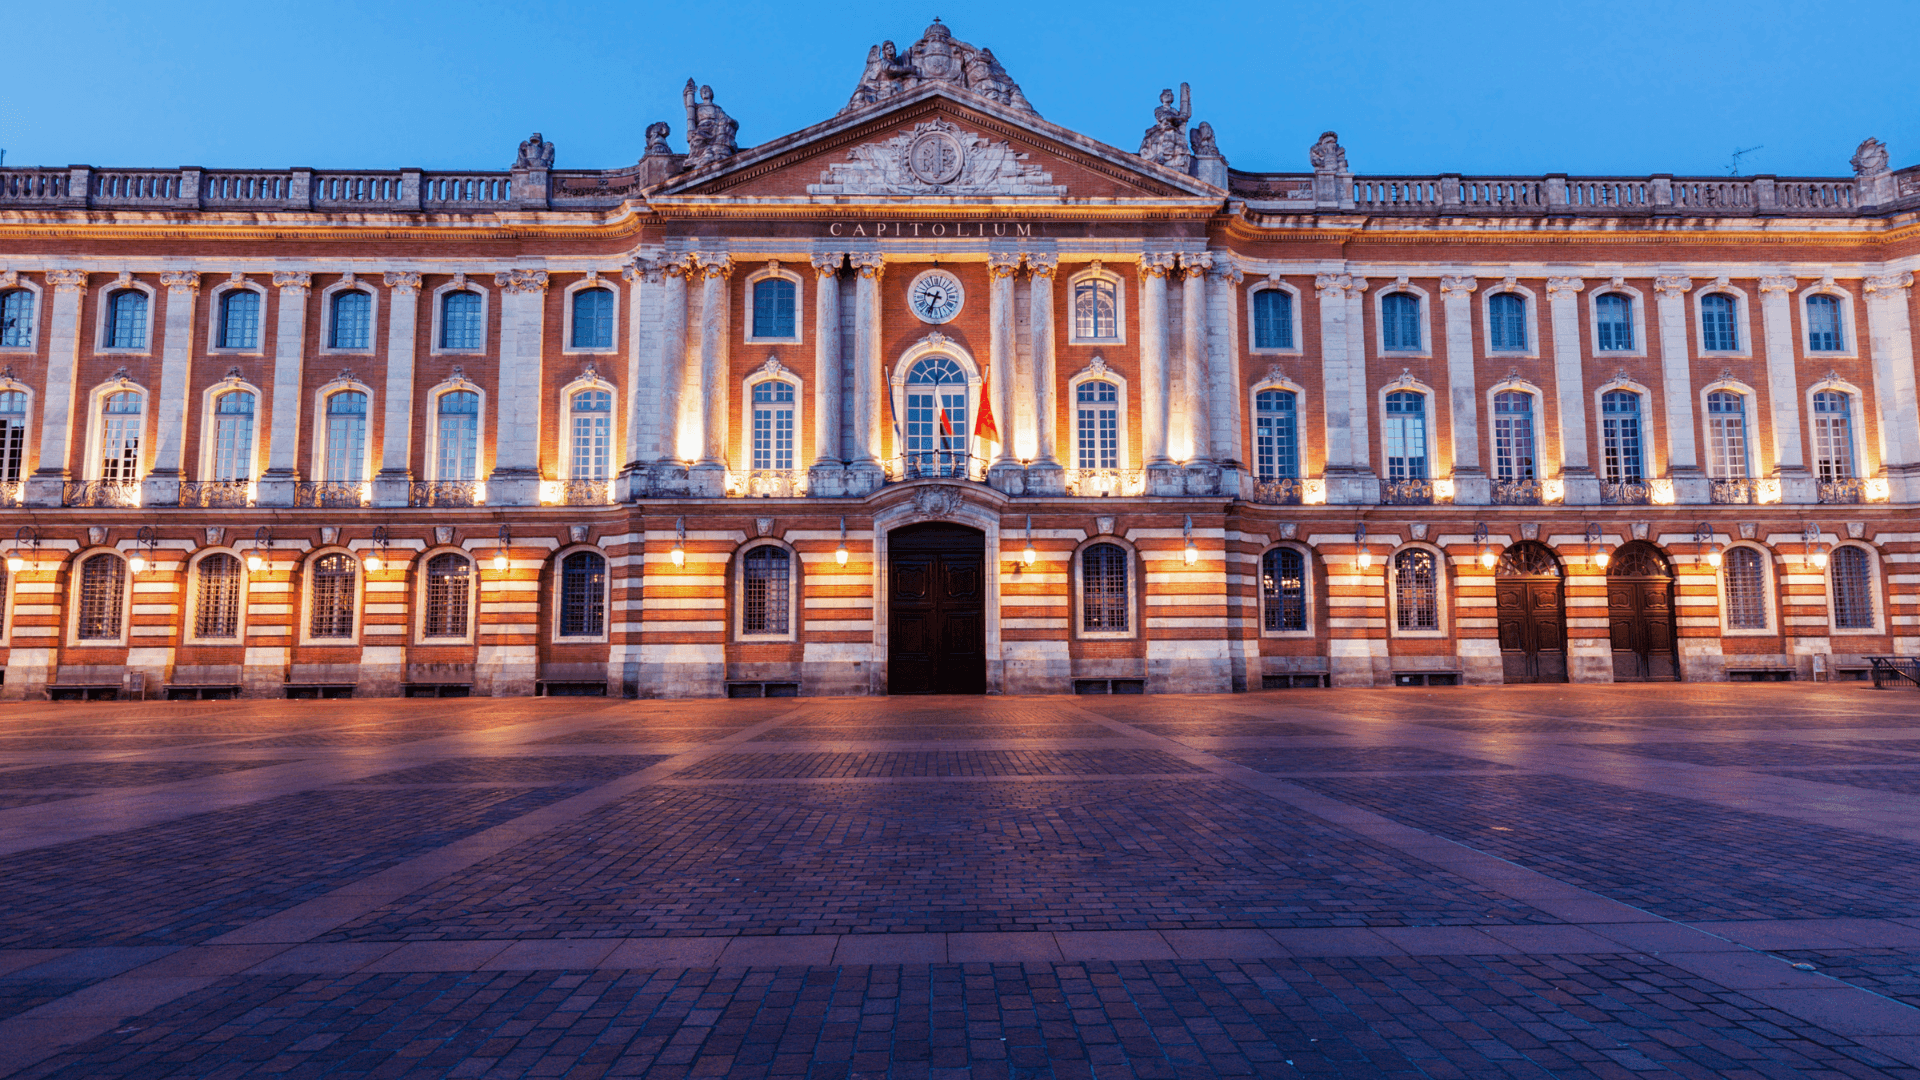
(938, 396)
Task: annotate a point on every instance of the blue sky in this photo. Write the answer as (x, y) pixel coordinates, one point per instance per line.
(1622, 88)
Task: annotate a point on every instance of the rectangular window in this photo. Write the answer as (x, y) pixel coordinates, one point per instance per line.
(1406, 436)
(1726, 436)
(1097, 425)
(1276, 443)
(1508, 315)
(592, 434)
(120, 444)
(1613, 317)
(1852, 589)
(1717, 330)
(127, 320)
(1833, 435)
(773, 308)
(346, 437)
(240, 319)
(217, 611)
(460, 321)
(1746, 580)
(1513, 436)
(1823, 324)
(352, 321)
(773, 425)
(1095, 316)
(1400, 321)
(1272, 319)
(16, 319)
(13, 435)
(1620, 435)
(593, 319)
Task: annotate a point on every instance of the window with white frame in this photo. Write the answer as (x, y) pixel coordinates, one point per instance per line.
(1613, 322)
(239, 319)
(1416, 590)
(1104, 603)
(126, 323)
(1276, 435)
(1513, 435)
(122, 424)
(346, 437)
(773, 402)
(1726, 435)
(1096, 422)
(16, 319)
(592, 412)
(583, 594)
(331, 592)
(462, 320)
(458, 435)
(449, 586)
(1620, 436)
(1406, 435)
(1745, 578)
(766, 577)
(233, 436)
(1507, 319)
(350, 325)
(1283, 590)
(1833, 435)
(593, 319)
(1852, 573)
(103, 586)
(1400, 322)
(218, 587)
(1096, 311)
(1718, 331)
(1823, 324)
(13, 435)
(1272, 319)
(774, 300)
(937, 414)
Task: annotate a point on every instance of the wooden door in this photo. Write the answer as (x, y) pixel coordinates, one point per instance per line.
(1533, 645)
(1640, 616)
(936, 611)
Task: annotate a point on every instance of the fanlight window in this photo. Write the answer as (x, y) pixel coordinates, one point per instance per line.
(1272, 319)
(1620, 436)
(937, 432)
(1400, 322)
(1833, 435)
(449, 583)
(593, 319)
(765, 588)
(121, 428)
(1095, 314)
(1513, 436)
(1852, 589)
(460, 321)
(233, 436)
(352, 325)
(1823, 324)
(239, 319)
(1613, 321)
(773, 403)
(127, 320)
(216, 613)
(1726, 435)
(1508, 314)
(1103, 588)
(1639, 559)
(1097, 425)
(346, 437)
(1718, 332)
(583, 595)
(1416, 590)
(16, 319)
(592, 434)
(459, 435)
(1528, 559)
(13, 435)
(1276, 435)
(1406, 436)
(103, 581)
(773, 308)
(1283, 589)
(1746, 581)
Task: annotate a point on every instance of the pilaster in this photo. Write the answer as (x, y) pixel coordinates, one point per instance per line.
(866, 473)
(1196, 408)
(390, 485)
(827, 471)
(161, 486)
(1890, 332)
(673, 360)
(289, 364)
(1683, 458)
(1154, 269)
(643, 366)
(47, 485)
(1570, 391)
(1471, 486)
(515, 479)
(1004, 473)
(1044, 476)
(1783, 390)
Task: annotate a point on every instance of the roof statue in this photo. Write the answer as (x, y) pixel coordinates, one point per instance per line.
(1327, 155)
(935, 58)
(1165, 143)
(535, 153)
(1870, 159)
(657, 133)
(709, 128)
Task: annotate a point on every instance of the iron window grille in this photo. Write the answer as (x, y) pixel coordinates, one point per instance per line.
(1416, 590)
(583, 595)
(765, 581)
(1852, 589)
(1283, 589)
(216, 613)
(335, 577)
(449, 583)
(103, 581)
(1103, 588)
(1746, 583)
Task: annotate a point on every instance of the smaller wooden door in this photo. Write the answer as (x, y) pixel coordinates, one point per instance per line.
(936, 604)
(1531, 615)
(1640, 615)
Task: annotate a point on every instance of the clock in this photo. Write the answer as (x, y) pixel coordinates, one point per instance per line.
(936, 296)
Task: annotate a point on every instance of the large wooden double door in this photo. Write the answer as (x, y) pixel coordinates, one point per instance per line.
(936, 610)
(1532, 618)
(1640, 615)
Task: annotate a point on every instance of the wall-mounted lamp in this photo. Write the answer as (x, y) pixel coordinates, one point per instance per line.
(840, 553)
(262, 548)
(1192, 553)
(1703, 534)
(1029, 556)
(500, 560)
(1365, 559)
(1488, 558)
(147, 539)
(1815, 552)
(1600, 558)
(679, 552)
(26, 549)
(378, 558)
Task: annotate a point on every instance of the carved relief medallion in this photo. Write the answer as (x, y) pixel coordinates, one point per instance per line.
(936, 158)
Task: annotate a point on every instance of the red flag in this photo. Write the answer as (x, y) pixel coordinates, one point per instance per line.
(984, 427)
(946, 425)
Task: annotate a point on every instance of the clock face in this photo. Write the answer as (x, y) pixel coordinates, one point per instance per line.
(936, 296)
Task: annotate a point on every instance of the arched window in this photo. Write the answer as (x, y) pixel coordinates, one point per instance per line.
(449, 581)
(1823, 323)
(1620, 436)
(1833, 435)
(937, 416)
(1096, 316)
(773, 303)
(216, 612)
(239, 319)
(460, 320)
(1406, 436)
(331, 601)
(1283, 589)
(592, 434)
(1508, 314)
(120, 432)
(1513, 435)
(583, 595)
(1096, 422)
(1717, 330)
(1400, 322)
(127, 320)
(1272, 319)
(352, 324)
(103, 584)
(13, 435)
(1852, 588)
(773, 424)
(1276, 435)
(593, 319)
(346, 437)
(765, 581)
(1103, 588)
(459, 435)
(1746, 582)
(1613, 321)
(16, 318)
(1416, 590)
(233, 436)
(1726, 435)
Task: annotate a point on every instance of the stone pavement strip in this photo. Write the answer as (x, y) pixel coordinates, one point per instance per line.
(1522, 882)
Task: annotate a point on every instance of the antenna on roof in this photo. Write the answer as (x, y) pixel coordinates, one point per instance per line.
(1733, 169)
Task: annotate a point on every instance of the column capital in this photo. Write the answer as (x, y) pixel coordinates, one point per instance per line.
(1458, 283)
(67, 279)
(709, 266)
(1330, 282)
(1227, 273)
(868, 264)
(521, 281)
(827, 264)
(1672, 287)
(1002, 266)
(1782, 283)
(182, 279)
(1157, 264)
(1043, 265)
(641, 270)
(292, 279)
(1568, 287)
(1887, 283)
(1201, 261)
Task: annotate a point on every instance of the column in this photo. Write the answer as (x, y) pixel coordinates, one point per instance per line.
(668, 446)
(1470, 484)
(391, 484)
(1193, 353)
(643, 362)
(1890, 332)
(826, 374)
(1045, 477)
(1002, 361)
(1683, 460)
(289, 366)
(869, 380)
(1332, 291)
(515, 480)
(1570, 390)
(1223, 365)
(1365, 485)
(1783, 390)
(1153, 360)
(161, 486)
(714, 270)
(47, 486)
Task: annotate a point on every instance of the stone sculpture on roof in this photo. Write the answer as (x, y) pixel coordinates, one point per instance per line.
(935, 58)
(1870, 159)
(709, 129)
(1165, 143)
(535, 153)
(1327, 155)
(657, 133)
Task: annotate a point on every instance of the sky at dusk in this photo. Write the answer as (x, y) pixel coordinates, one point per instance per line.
(1589, 89)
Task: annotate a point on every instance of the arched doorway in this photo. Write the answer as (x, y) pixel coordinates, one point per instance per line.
(1640, 615)
(1532, 614)
(936, 610)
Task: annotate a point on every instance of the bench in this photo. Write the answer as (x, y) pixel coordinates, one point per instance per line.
(1759, 674)
(97, 682)
(310, 681)
(203, 682)
(763, 689)
(571, 680)
(1290, 679)
(439, 680)
(1109, 686)
(1426, 678)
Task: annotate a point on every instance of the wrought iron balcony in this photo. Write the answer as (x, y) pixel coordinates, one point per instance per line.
(663, 482)
(942, 464)
(1843, 491)
(216, 493)
(1098, 483)
(1627, 493)
(103, 493)
(12, 492)
(583, 492)
(1280, 491)
(1406, 493)
(770, 484)
(1735, 492)
(1518, 493)
(329, 494)
(445, 493)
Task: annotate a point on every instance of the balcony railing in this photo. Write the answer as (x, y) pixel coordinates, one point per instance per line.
(583, 492)
(1735, 492)
(1406, 493)
(1281, 491)
(445, 493)
(103, 493)
(12, 492)
(329, 494)
(944, 464)
(769, 484)
(1627, 493)
(209, 494)
(1100, 483)
(1518, 493)
(663, 482)
(1843, 491)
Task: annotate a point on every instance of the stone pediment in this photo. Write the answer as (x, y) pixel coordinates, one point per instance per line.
(937, 157)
